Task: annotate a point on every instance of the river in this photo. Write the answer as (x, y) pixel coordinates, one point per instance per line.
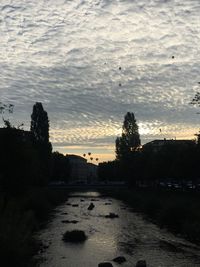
(130, 236)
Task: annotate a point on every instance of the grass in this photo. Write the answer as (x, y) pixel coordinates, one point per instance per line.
(179, 212)
(20, 217)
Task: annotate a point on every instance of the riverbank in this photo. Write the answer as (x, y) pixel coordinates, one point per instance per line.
(179, 212)
(21, 216)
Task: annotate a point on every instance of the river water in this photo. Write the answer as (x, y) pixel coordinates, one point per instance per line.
(129, 235)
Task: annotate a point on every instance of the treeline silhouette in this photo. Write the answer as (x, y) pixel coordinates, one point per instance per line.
(174, 165)
(162, 177)
(156, 164)
(26, 156)
(27, 164)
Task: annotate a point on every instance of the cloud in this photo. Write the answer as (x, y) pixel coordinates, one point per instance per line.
(67, 55)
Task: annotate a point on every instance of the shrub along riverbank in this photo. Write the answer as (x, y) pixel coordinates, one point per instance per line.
(179, 212)
(20, 217)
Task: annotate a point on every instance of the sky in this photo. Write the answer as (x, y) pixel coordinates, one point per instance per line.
(91, 61)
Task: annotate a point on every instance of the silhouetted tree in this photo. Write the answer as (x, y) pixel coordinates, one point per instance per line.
(60, 167)
(6, 108)
(127, 149)
(40, 127)
(40, 134)
(9, 109)
(110, 171)
(196, 99)
(198, 137)
(40, 123)
(7, 124)
(19, 164)
(130, 140)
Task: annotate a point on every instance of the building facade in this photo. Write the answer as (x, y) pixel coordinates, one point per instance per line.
(81, 171)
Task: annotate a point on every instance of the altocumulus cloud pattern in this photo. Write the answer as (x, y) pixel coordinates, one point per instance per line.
(91, 61)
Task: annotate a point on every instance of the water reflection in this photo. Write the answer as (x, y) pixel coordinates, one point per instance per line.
(129, 236)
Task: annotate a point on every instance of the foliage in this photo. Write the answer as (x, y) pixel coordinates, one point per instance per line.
(110, 171)
(20, 216)
(7, 123)
(196, 99)
(25, 157)
(18, 160)
(172, 163)
(128, 147)
(24, 163)
(4, 108)
(60, 167)
(40, 136)
(40, 124)
(130, 140)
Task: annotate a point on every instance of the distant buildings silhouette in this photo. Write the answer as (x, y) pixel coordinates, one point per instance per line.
(157, 145)
(81, 172)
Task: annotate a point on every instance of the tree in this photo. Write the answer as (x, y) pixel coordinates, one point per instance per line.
(110, 171)
(18, 159)
(40, 135)
(129, 142)
(196, 99)
(9, 109)
(60, 167)
(40, 124)
(196, 102)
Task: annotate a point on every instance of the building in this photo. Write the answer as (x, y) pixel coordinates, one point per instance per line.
(92, 176)
(157, 145)
(81, 171)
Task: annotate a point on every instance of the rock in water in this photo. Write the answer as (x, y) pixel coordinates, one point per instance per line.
(67, 221)
(105, 264)
(94, 199)
(119, 259)
(141, 263)
(91, 206)
(75, 236)
(112, 215)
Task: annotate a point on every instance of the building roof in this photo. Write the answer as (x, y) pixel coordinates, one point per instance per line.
(156, 144)
(170, 141)
(75, 157)
(92, 165)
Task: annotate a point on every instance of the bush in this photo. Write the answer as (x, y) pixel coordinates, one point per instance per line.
(20, 217)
